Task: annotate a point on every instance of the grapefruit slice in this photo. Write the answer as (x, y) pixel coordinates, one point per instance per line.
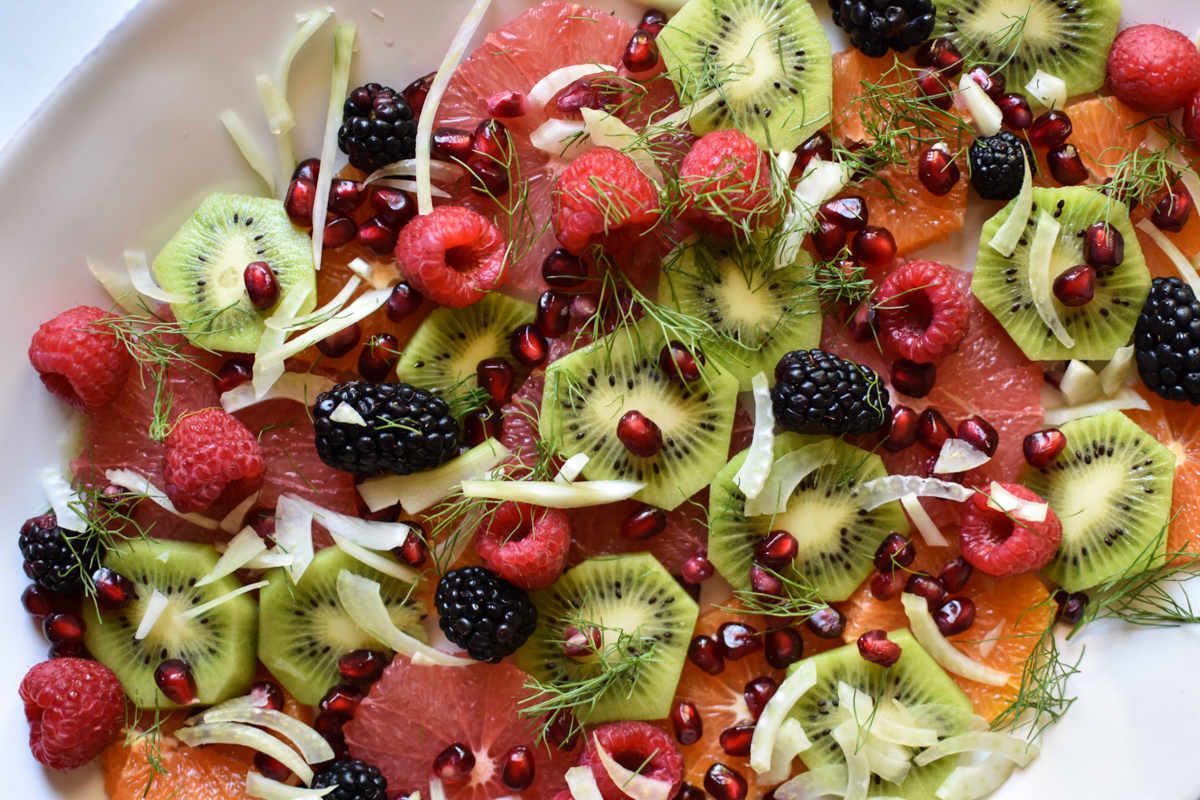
(1177, 427)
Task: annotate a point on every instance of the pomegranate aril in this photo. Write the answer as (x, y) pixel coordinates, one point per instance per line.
(1041, 448)
(928, 587)
(725, 783)
(498, 378)
(40, 602)
(271, 768)
(453, 765)
(979, 433)
(1076, 287)
(113, 590)
(330, 726)
(346, 197)
(644, 523)
(738, 640)
(67, 650)
(307, 170)
(763, 581)
(895, 552)
(940, 54)
(174, 679)
(955, 574)
(827, 623)
(1066, 166)
(640, 435)
(696, 570)
(1016, 111)
(529, 346)
(562, 732)
(776, 550)
(828, 238)
(298, 203)
(262, 286)
(553, 314)
(413, 552)
(938, 171)
(736, 741)
(1050, 129)
(874, 646)
(561, 270)
(393, 205)
(913, 379)
(849, 213)
(678, 363)
(784, 647)
(873, 246)
(341, 701)
(267, 694)
(955, 616)
(578, 643)
(1172, 210)
(687, 722)
(492, 141)
(362, 667)
(900, 432)
(403, 300)
(1103, 246)
(63, 627)
(339, 232)
(339, 344)
(819, 145)
(1071, 607)
(704, 653)
(415, 93)
(488, 178)
(863, 324)
(600, 94)
(641, 54)
(377, 358)
(993, 83)
(653, 21)
(935, 89)
(378, 234)
(507, 104)
(452, 144)
(232, 374)
(933, 430)
(758, 692)
(886, 585)
(518, 770)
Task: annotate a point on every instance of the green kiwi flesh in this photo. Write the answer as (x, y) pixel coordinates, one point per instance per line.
(218, 646)
(769, 59)
(636, 605)
(916, 681)
(588, 391)
(305, 630)
(758, 313)
(1067, 40)
(207, 259)
(1098, 328)
(444, 351)
(837, 538)
(1111, 487)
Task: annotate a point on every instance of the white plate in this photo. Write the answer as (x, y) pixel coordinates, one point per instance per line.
(129, 146)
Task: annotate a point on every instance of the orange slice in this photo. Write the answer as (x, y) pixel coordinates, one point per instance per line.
(1177, 427)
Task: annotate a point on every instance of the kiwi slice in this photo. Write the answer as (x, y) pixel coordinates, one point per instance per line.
(915, 681)
(838, 539)
(207, 258)
(640, 611)
(1068, 40)
(588, 392)
(758, 313)
(443, 353)
(1111, 487)
(1101, 326)
(762, 66)
(305, 630)
(218, 645)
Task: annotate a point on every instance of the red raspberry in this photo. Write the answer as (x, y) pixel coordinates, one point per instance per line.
(75, 708)
(206, 452)
(1001, 546)
(725, 180)
(603, 198)
(452, 255)
(78, 360)
(524, 544)
(923, 315)
(1153, 69)
(637, 746)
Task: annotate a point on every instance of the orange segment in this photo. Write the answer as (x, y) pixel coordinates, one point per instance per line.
(1187, 240)
(998, 607)
(195, 773)
(1177, 427)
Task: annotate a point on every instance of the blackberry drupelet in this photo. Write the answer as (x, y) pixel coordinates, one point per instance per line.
(484, 613)
(52, 560)
(1167, 341)
(378, 127)
(876, 25)
(355, 780)
(817, 392)
(407, 430)
(998, 165)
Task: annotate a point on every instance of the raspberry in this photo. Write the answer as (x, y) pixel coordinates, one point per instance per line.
(725, 180)
(637, 746)
(603, 198)
(78, 361)
(1153, 69)
(923, 315)
(206, 452)
(75, 708)
(451, 255)
(1001, 546)
(525, 544)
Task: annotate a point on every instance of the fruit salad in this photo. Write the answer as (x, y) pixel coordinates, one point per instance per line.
(590, 418)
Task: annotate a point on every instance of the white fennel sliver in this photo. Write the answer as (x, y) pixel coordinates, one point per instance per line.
(986, 115)
(920, 517)
(1112, 377)
(154, 610)
(571, 468)
(63, 500)
(762, 744)
(1080, 384)
(300, 387)
(561, 137)
(957, 455)
(143, 281)
(786, 474)
(343, 52)
(1047, 89)
(267, 789)
(874, 493)
(422, 490)
(551, 494)
(376, 561)
(1124, 400)
(346, 413)
(246, 736)
(243, 549)
(752, 476)
(250, 149)
(943, 651)
(312, 746)
(1004, 240)
(544, 90)
(140, 484)
(633, 784)
(1041, 282)
(361, 599)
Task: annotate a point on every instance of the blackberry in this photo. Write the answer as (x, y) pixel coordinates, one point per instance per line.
(817, 392)
(54, 560)
(998, 165)
(378, 128)
(407, 429)
(483, 613)
(876, 25)
(1167, 341)
(354, 779)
